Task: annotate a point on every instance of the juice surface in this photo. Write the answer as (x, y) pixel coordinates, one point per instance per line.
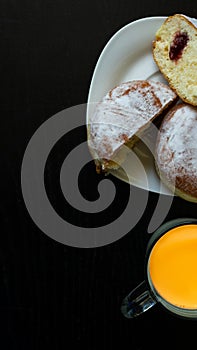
(173, 266)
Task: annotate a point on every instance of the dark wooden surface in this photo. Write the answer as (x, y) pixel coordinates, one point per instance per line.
(54, 296)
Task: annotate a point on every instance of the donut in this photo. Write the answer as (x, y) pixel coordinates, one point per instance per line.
(176, 151)
(175, 53)
(121, 117)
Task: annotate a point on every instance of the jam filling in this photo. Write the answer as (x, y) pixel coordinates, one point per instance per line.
(177, 46)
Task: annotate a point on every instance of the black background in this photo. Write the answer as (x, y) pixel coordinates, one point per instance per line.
(51, 295)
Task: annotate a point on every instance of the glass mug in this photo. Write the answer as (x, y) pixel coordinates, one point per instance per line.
(170, 272)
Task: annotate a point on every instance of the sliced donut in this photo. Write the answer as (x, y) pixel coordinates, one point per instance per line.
(175, 52)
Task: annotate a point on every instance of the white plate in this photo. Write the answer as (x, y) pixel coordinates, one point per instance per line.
(128, 56)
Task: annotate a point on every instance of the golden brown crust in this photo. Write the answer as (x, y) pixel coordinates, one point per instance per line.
(181, 73)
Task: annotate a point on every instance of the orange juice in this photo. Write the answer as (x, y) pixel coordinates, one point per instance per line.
(173, 266)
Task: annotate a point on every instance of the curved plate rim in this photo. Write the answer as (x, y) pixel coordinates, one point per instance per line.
(162, 188)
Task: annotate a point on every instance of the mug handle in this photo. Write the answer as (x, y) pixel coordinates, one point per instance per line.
(137, 301)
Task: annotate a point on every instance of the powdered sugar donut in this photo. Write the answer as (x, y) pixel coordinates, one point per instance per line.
(176, 151)
(121, 116)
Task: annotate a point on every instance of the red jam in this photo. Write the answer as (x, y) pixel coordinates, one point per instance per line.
(177, 46)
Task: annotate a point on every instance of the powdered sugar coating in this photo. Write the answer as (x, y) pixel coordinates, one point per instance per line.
(123, 112)
(176, 151)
